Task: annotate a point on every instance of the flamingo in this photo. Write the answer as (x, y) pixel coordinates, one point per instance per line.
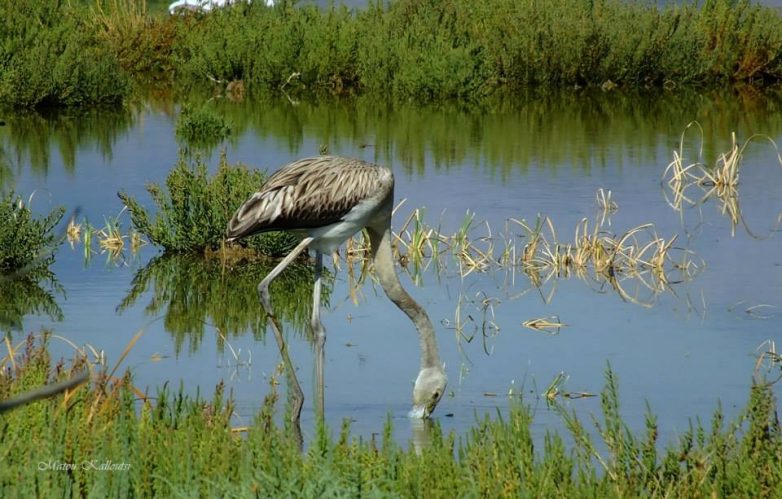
(325, 200)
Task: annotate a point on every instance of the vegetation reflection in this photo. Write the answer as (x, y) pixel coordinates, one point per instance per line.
(194, 293)
(536, 130)
(29, 139)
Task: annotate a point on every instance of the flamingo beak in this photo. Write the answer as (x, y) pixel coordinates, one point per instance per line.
(419, 412)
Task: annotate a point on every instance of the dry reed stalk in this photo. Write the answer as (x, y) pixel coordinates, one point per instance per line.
(544, 324)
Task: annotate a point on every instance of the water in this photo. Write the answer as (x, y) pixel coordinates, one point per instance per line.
(691, 347)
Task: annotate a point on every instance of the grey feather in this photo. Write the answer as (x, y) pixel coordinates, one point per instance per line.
(309, 193)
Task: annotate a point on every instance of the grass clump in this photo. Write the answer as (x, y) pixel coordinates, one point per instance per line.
(194, 210)
(173, 444)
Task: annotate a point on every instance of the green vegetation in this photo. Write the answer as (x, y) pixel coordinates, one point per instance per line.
(27, 243)
(194, 212)
(51, 55)
(193, 293)
(201, 126)
(65, 53)
(27, 247)
(173, 445)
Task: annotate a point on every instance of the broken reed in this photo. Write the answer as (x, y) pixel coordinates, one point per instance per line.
(696, 183)
(536, 250)
(170, 444)
(109, 239)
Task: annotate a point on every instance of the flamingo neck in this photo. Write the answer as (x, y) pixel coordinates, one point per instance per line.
(380, 239)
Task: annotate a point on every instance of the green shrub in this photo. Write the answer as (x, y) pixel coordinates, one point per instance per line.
(50, 56)
(142, 43)
(27, 243)
(435, 50)
(62, 53)
(27, 248)
(194, 210)
(201, 126)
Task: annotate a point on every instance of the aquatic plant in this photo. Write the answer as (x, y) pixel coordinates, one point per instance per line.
(193, 212)
(172, 444)
(201, 126)
(27, 243)
(111, 239)
(596, 255)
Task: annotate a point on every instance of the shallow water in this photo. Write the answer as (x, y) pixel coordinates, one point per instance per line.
(686, 349)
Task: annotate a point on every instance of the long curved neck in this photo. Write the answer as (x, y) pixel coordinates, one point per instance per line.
(380, 238)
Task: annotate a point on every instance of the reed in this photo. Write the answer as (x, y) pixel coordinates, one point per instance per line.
(719, 181)
(595, 254)
(112, 240)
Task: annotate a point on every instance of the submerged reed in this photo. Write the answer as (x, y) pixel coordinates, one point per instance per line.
(111, 239)
(595, 255)
(696, 183)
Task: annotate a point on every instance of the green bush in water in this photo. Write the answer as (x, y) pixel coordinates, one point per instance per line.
(194, 210)
(201, 126)
(27, 248)
(27, 243)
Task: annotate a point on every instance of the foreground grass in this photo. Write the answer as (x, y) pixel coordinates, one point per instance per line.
(72, 54)
(97, 441)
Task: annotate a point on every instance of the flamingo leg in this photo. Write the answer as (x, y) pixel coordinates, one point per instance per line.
(319, 333)
(263, 287)
(297, 394)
